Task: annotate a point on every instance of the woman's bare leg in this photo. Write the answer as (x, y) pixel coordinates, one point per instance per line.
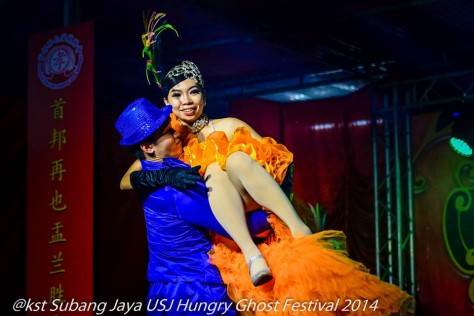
(250, 178)
(228, 208)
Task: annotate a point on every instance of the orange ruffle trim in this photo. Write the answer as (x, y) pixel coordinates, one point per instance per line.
(274, 157)
(313, 275)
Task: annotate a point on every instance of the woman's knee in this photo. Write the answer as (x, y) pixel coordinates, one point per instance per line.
(239, 162)
(215, 174)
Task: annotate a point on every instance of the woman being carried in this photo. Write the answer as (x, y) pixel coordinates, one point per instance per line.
(236, 182)
(313, 269)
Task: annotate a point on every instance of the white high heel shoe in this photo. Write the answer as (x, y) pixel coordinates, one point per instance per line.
(260, 277)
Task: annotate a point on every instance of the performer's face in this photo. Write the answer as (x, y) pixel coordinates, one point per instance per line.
(168, 144)
(187, 100)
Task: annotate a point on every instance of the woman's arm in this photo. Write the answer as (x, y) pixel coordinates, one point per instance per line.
(125, 183)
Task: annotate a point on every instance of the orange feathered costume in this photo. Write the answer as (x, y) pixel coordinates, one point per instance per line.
(274, 157)
(313, 275)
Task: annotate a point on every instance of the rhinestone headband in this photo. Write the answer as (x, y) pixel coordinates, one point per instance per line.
(188, 70)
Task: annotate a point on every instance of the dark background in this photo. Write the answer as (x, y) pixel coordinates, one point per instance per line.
(249, 48)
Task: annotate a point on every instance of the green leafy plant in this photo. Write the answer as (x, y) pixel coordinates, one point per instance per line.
(319, 215)
(313, 216)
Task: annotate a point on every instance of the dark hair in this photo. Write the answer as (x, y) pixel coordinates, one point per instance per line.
(137, 151)
(169, 81)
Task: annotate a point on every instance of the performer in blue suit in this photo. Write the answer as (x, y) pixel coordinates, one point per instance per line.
(178, 221)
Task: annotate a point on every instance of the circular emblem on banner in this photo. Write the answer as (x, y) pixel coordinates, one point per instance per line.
(60, 61)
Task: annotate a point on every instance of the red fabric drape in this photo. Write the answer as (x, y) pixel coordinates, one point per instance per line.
(264, 116)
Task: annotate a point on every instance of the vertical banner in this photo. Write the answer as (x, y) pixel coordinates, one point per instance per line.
(60, 172)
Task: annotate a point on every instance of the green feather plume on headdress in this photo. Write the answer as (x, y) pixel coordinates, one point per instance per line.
(154, 25)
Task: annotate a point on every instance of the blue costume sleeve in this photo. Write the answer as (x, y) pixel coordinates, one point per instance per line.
(193, 206)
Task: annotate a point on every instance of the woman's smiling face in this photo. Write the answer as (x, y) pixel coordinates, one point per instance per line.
(187, 100)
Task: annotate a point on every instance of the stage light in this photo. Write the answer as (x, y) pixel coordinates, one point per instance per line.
(462, 133)
(460, 146)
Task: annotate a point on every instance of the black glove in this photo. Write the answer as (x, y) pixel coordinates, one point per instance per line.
(178, 177)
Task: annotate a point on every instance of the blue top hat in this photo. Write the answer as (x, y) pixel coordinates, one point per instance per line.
(139, 120)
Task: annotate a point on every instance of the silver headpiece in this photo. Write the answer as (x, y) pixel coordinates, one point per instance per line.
(188, 70)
